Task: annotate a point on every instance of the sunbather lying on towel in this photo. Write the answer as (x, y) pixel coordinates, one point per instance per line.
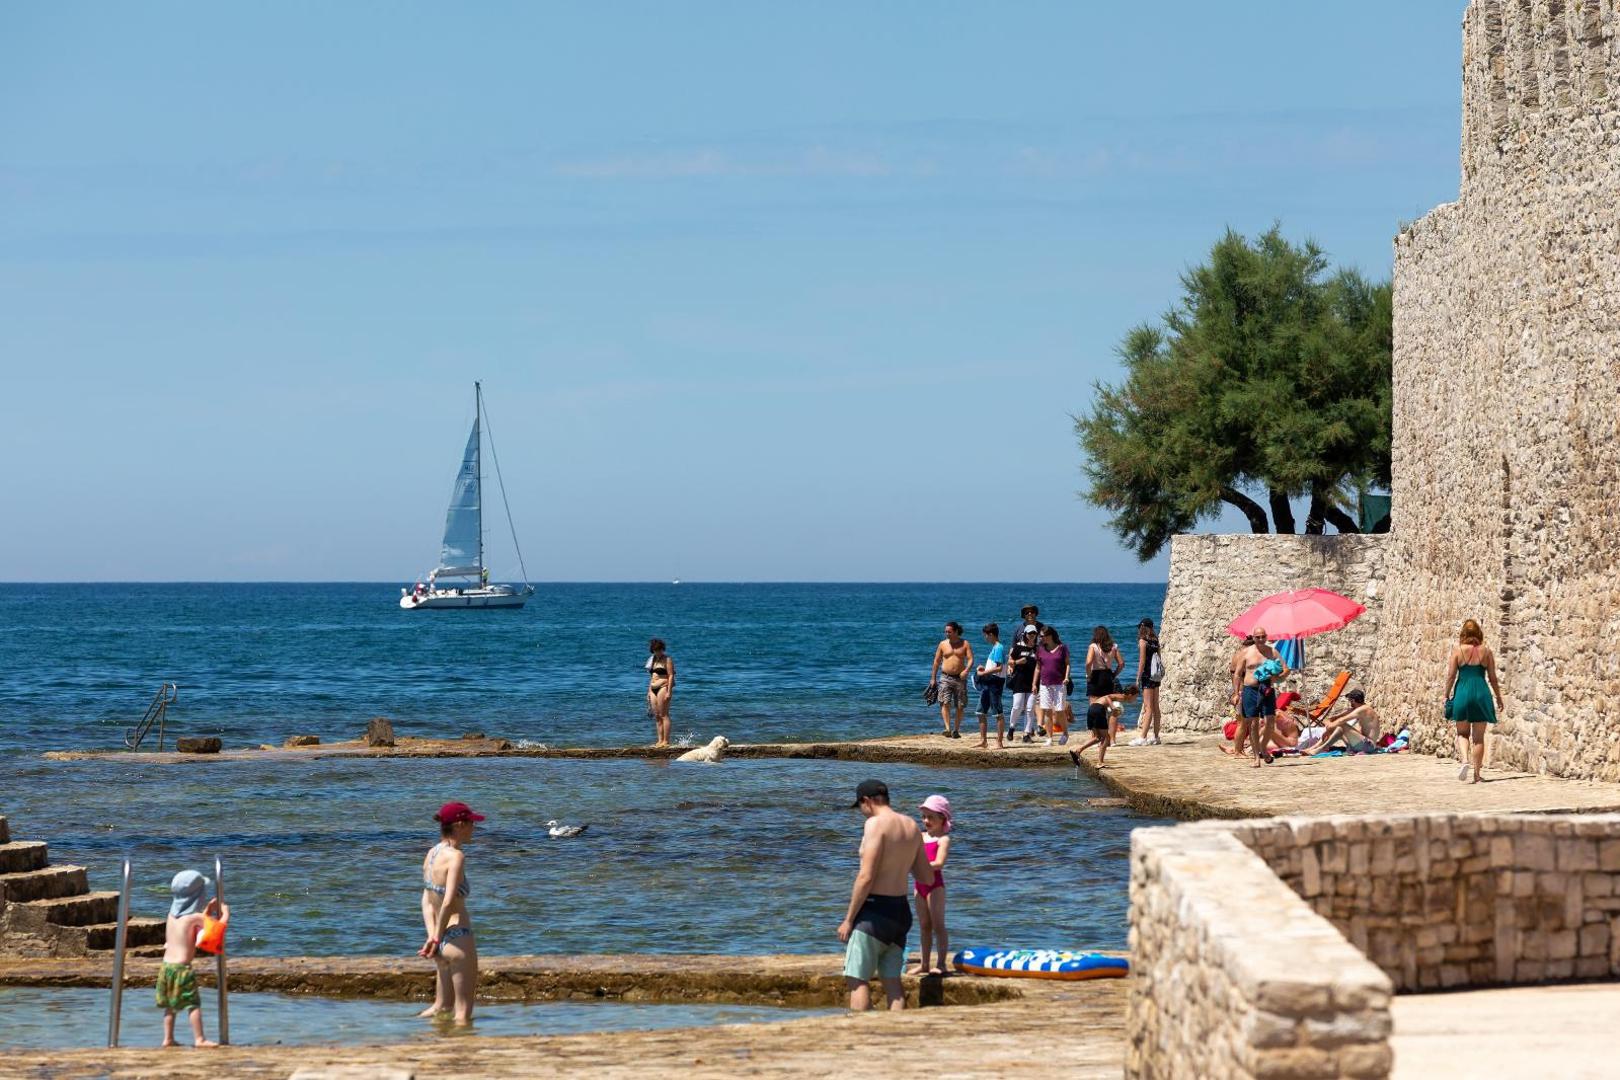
(1356, 727)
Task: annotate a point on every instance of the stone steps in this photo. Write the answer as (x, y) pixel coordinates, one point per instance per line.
(143, 933)
(22, 856)
(49, 910)
(85, 909)
(48, 883)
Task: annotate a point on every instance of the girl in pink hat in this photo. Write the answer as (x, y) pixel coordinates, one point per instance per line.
(936, 817)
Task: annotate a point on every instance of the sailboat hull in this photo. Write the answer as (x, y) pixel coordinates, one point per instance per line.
(494, 596)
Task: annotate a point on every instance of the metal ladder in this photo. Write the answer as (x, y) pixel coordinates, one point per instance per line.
(155, 714)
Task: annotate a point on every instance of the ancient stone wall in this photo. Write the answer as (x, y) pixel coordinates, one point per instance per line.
(1507, 382)
(1234, 976)
(1214, 579)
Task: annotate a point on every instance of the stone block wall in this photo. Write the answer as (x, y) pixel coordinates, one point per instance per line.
(1214, 579)
(1451, 900)
(1234, 976)
(1507, 397)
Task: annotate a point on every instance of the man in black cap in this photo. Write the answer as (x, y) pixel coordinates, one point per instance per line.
(879, 917)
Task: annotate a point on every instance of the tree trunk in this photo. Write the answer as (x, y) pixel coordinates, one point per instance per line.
(1251, 509)
(1314, 517)
(1324, 513)
(1282, 514)
(1339, 519)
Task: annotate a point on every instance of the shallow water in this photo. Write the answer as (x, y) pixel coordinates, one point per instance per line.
(748, 856)
(54, 1018)
(745, 857)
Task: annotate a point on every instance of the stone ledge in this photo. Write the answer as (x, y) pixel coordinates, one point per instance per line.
(1235, 975)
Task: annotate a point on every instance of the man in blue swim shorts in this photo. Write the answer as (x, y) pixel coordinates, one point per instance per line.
(1252, 690)
(879, 917)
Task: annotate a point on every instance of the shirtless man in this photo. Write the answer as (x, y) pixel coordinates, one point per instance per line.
(952, 658)
(879, 917)
(1257, 700)
(1232, 669)
(1357, 727)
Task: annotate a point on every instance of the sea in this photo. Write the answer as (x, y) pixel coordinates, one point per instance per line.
(747, 857)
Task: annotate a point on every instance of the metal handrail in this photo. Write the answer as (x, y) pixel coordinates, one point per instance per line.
(155, 714)
(120, 939)
(224, 992)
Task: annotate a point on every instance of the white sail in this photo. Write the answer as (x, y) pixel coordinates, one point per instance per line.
(463, 551)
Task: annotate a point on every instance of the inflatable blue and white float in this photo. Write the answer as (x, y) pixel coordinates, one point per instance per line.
(1041, 964)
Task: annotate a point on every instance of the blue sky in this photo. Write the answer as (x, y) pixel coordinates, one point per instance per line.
(757, 291)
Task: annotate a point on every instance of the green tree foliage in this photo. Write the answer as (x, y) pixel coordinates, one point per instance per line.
(1270, 376)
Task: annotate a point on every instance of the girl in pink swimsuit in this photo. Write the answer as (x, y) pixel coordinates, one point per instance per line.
(936, 815)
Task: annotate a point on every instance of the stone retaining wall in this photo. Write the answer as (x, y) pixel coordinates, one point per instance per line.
(1254, 942)
(1214, 579)
(1449, 900)
(1234, 976)
(1507, 434)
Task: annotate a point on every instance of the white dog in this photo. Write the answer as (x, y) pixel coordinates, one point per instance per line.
(715, 751)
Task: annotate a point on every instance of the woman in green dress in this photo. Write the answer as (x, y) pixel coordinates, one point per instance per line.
(1471, 687)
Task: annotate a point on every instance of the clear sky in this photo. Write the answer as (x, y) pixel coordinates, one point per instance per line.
(758, 291)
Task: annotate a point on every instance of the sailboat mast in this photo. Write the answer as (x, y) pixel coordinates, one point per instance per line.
(478, 422)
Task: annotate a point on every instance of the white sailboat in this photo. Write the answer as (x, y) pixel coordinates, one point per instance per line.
(461, 558)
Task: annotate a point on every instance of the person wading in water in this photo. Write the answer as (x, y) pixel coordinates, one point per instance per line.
(875, 927)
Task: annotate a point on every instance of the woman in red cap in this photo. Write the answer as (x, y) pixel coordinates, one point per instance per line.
(450, 942)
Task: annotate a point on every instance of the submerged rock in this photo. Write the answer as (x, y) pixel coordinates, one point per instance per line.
(303, 740)
(198, 744)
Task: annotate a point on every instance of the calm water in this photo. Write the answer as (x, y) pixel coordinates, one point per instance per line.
(256, 663)
(60, 1018)
(744, 857)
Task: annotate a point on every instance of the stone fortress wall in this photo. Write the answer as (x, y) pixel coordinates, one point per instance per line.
(1507, 418)
(1214, 579)
(1507, 397)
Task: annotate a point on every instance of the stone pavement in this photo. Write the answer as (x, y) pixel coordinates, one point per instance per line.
(1562, 1031)
(1189, 778)
(924, 749)
(1039, 1029)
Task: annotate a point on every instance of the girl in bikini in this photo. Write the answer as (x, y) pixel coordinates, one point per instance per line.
(660, 688)
(936, 815)
(450, 942)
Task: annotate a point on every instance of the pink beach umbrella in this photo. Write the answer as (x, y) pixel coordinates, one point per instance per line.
(1297, 614)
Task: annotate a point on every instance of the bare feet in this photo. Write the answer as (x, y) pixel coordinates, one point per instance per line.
(171, 1042)
(429, 1013)
(982, 746)
(201, 1043)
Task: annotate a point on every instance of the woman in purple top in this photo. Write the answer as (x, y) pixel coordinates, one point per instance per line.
(1051, 672)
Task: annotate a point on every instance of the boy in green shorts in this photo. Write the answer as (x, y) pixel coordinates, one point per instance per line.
(176, 982)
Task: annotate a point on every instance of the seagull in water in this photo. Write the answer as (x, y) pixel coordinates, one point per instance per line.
(559, 831)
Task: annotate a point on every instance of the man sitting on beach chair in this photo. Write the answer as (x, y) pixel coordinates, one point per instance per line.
(1356, 727)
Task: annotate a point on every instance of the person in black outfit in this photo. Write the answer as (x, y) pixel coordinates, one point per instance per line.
(1021, 681)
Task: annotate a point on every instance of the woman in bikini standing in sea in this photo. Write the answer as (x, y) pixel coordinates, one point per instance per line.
(660, 688)
(450, 943)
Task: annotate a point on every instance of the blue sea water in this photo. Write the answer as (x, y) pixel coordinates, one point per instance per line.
(258, 662)
(746, 857)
